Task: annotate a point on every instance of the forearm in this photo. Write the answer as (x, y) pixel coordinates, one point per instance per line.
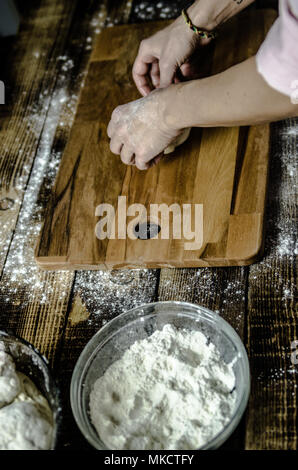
(238, 96)
(211, 13)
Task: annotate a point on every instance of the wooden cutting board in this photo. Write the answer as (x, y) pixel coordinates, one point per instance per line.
(225, 169)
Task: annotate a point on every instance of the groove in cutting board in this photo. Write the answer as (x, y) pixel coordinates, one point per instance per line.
(225, 169)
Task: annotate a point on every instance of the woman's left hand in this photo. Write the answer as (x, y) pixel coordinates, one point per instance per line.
(138, 131)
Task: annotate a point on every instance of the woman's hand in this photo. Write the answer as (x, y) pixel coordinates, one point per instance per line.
(138, 130)
(163, 58)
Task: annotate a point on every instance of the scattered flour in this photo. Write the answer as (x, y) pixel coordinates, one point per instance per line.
(25, 416)
(169, 391)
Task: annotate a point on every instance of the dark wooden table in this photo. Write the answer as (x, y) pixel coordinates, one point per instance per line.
(43, 69)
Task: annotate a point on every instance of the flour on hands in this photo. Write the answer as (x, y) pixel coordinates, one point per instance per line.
(139, 132)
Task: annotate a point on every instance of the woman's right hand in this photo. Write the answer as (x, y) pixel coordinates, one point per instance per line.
(163, 58)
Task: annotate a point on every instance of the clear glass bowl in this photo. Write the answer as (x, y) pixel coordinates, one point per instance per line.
(110, 342)
(30, 362)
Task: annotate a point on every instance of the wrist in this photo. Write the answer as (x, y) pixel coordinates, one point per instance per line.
(209, 14)
(176, 113)
(203, 14)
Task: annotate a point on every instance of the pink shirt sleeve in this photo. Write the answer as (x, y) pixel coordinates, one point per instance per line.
(277, 58)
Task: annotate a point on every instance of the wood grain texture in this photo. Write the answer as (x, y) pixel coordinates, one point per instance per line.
(259, 301)
(272, 309)
(90, 175)
(36, 310)
(25, 83)
(30, 76)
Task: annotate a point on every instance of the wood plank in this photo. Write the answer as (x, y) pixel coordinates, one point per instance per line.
(272, 308)
(249, 196)
(219, 289)
(205, 162)
(34, 303)
(27, 88)
(272, 426)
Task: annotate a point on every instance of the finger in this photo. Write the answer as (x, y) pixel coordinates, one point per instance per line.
(141, 164)
(192, 68)
(116, 117)
(116, 145)
(127, 155)
(140, 73)
(188, 70)
(167, 73)
(110, 129)
(155, 74)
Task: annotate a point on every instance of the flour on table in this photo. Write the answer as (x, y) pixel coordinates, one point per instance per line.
(25, 416)
(171, 390)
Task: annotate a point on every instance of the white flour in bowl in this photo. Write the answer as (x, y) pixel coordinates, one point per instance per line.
(171, 390)
(25, 416)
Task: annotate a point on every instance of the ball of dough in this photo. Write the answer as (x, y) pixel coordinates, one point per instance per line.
(9, 381)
